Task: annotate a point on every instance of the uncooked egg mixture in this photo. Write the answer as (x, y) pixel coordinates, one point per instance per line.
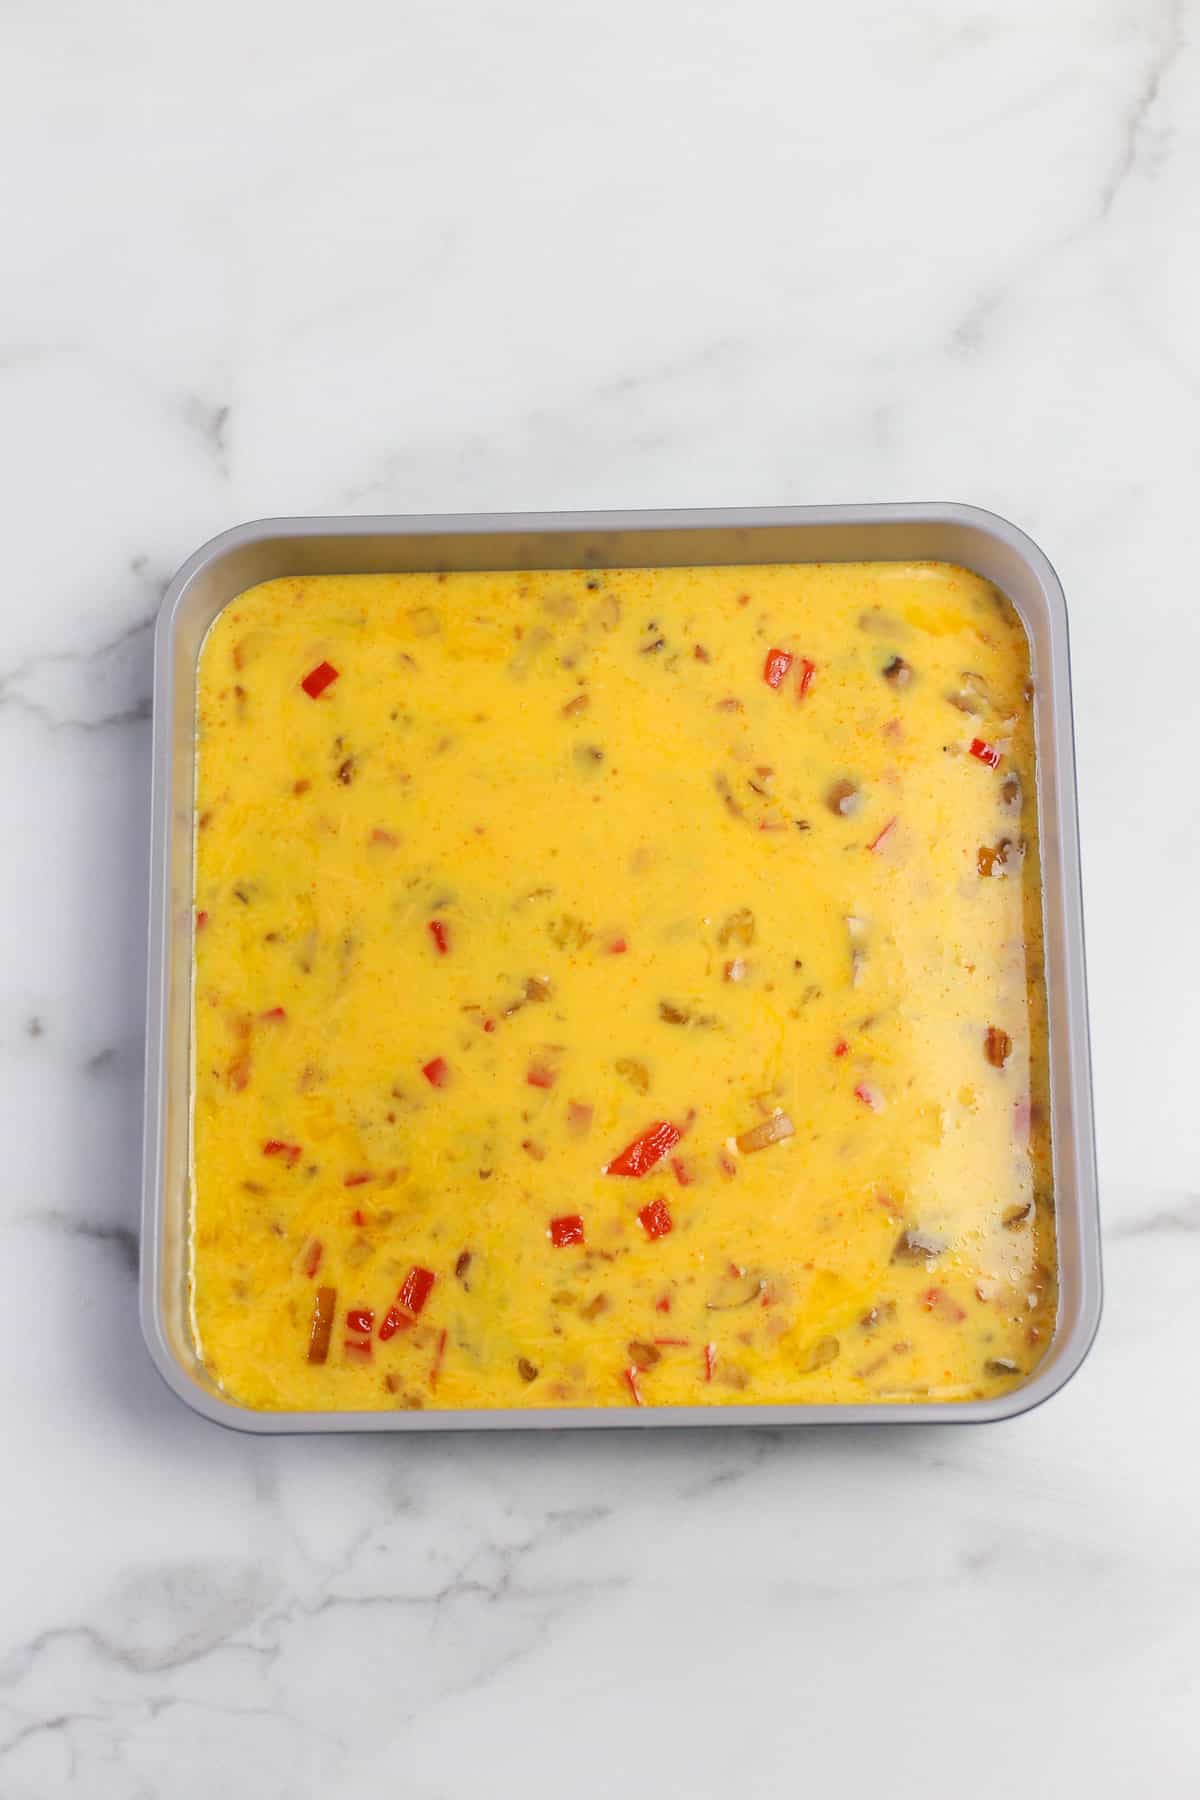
(619, 988)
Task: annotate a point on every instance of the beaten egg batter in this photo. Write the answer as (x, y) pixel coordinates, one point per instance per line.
(619, 988)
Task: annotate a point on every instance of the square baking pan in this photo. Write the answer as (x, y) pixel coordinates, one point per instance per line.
(256, 552)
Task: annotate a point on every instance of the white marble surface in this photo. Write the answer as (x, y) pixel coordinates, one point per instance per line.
(298, 258)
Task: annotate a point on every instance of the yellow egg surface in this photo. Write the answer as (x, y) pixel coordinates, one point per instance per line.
(619, 988)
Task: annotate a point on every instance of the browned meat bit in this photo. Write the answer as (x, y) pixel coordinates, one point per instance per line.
(996, 1046)
(345, 772)
(462, 1265)
(635, 1073)
(993, 860)
(243, 893)
(643, 1356)
(844, 798)
(655, 645)
(1016, 1215)
(882, 1313)
(672, 1014)
(1012, 797)
(589, 756)
(538, 988)
(301, 787)
(898, 672)
(701, 654)
(822, 1353)
(739, 928)
(526, 1370)
(594, 1307)
(1001, 1365)
(574, 707)
(917, 1246)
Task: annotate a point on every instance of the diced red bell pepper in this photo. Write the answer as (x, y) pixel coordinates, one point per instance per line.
(663, 1305)
(936, 1299)
(776, 667)
(540, 1075)
(289, 1153)
(437, 1072)
(673, 1343)
(618, 947)
(566, 1230)
(440, 934)
(201, 919)
(358, 1179)
(841, 1047)
(310, 1258)
(682, 1173)
(415, 1290)
(985, 752)
(804, 676)
(645, 1150)
(275, 1015)
(318, 679)
(631, 1382)
(360, 1319)
(710, 1357)
(655, 1219)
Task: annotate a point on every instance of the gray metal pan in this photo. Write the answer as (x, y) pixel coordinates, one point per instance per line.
(250, 553)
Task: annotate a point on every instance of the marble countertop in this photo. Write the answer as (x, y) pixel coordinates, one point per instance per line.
(291, 259)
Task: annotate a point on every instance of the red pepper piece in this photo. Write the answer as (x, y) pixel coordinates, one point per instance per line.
(985, 752)
(290, 1153)
(321, 1325)
(540, 1075)
(663, 1305)
(275, 1015)
(776, 667)
(579, 1118)
(631, 1382)
(310, 1260)
(489, 1024)
(727, 1164)
(869, 1095)
(437, 1072)
(674, 1343)
(318, 679)
(841, 1047)
(710, 1357)
(655, 1219)
(682, 1173)
(881, 835)
(647, 1149)
(440, 935)
(618, 947)
(359, 1179)
(936, 1299)
(201, 920)
(566, 1230)
(414, 1292)
(358, 1216)
(804, 675)
(360, 1319)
